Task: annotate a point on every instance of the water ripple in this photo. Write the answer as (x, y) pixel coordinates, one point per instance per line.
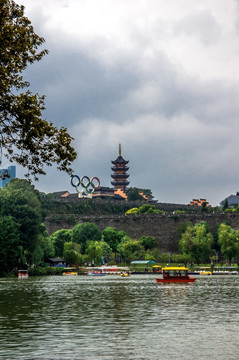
(113, 318)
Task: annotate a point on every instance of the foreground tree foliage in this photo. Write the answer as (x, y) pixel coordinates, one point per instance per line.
(26, 138)
(20, 202)
(9, 244)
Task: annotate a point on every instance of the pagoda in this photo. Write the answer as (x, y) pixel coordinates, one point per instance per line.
(120, 175)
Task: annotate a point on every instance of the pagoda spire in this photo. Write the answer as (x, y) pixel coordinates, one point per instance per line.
(119, 149)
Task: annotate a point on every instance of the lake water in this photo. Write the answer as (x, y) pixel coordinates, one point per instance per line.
(114, 318)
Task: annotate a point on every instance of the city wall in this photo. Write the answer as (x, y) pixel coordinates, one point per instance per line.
(165, 228)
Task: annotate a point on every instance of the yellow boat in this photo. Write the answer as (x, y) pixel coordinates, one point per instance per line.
(70, 273)
(157, 269)
(205, 271)
(175, 274)
(124, 274)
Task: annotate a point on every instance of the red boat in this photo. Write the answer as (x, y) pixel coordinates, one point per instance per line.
(175, 275)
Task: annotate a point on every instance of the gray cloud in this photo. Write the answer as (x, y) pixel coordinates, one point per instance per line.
(167, 90)
(201, 24)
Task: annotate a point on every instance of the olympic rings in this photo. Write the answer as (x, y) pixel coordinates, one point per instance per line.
(87, 184)
(72, 183)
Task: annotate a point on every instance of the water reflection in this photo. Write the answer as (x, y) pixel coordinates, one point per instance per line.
(118, 318)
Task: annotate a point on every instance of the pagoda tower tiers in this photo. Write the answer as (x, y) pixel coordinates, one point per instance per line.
(120, 175)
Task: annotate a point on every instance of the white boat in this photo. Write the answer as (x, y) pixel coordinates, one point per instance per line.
(225, 270)
(97, 272)
(23, 274)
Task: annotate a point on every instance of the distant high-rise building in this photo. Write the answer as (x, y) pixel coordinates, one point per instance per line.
(120, 175)
(10, 171)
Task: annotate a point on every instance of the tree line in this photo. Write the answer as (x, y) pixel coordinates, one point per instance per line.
(24, 241)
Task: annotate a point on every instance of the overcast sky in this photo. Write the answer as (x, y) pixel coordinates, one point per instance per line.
(160, 77)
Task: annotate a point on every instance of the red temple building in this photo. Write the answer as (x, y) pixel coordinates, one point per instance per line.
(120, 175)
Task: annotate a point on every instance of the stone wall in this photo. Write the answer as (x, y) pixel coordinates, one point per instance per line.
(165, 228)
(73, 199)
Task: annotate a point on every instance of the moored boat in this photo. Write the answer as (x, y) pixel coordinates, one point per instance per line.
(157, 269)
(70, 273)
(124, 274)
(225, 270)
(23, 274)
(175, 275)
(205, 271)
(97, 272)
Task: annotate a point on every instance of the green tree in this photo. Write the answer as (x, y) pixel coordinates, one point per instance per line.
(146, 209)
(130, 250)
(95, 252)
(82, 233)
(134, 194)
(148, 242)
(113, 237)
(147, 192)
(204, 207)
(58, 239)
(20, 200)
(225, 205)
(152, 254)
(196, 242)
(26, 138)
(44, 247)
(228, 239)
(9, 244)
(72, 253)
(165, 257)
(133, 211)
(106, 249)
(181, 258)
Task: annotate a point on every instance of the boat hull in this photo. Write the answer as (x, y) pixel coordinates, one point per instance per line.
(70, 274)
(175, 280)
(97, 274)
(205, 273)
